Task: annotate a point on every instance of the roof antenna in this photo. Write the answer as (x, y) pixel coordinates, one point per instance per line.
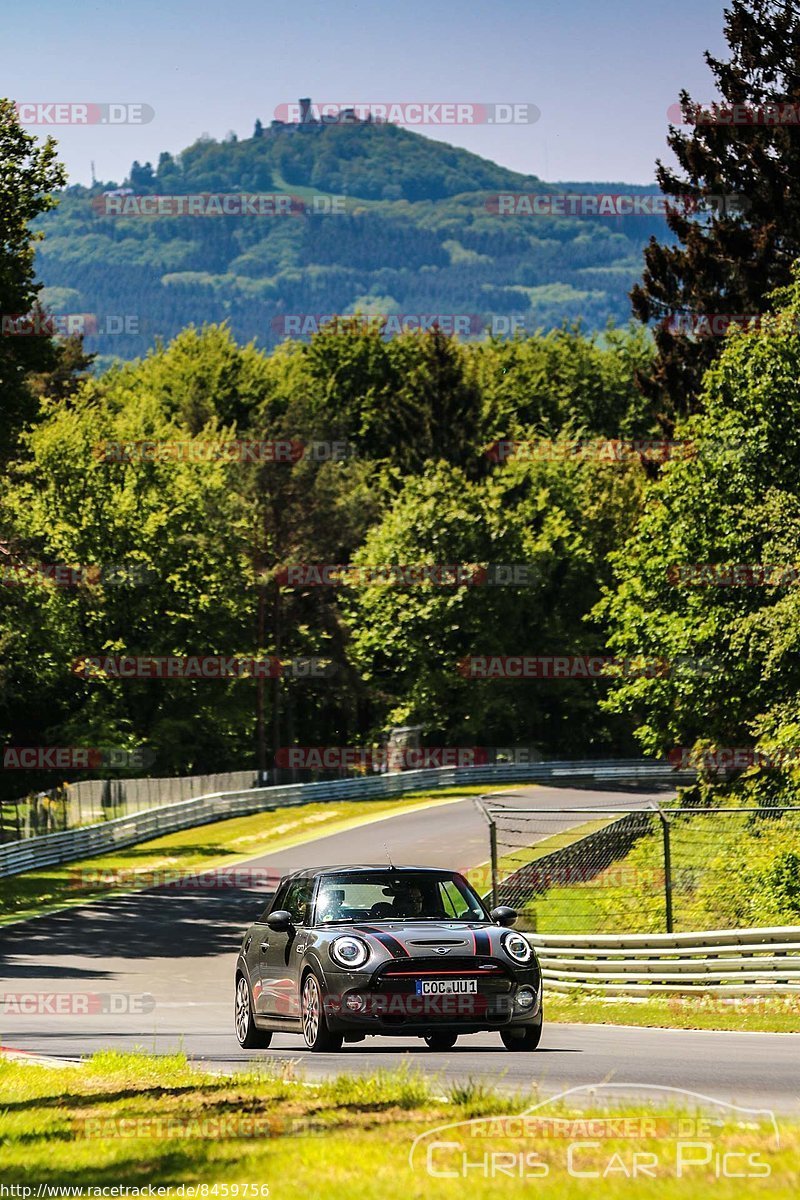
(388, 855)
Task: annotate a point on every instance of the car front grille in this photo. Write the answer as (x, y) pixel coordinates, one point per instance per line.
(395, 984)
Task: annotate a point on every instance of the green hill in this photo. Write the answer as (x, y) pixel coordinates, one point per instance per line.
(416, 235)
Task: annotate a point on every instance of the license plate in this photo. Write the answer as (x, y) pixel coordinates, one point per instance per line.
(447, 987)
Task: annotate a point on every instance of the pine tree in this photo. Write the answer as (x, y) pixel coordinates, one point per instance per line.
(727, 262)
(258, 130)
(141, 176)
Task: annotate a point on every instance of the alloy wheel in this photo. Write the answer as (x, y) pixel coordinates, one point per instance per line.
(242, 1014)
(311, 1010)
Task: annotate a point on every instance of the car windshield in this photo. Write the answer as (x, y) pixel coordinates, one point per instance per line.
(396, 895)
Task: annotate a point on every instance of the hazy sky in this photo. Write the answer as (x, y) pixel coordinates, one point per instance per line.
(602, 75)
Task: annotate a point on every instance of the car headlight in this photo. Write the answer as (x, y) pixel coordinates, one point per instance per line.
(517, 947)
(349, 951)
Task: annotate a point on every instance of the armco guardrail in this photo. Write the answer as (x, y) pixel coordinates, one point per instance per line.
(725, 962)
(72, 844)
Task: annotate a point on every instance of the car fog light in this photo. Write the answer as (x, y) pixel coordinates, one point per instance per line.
(355, 1003)
(524, 998)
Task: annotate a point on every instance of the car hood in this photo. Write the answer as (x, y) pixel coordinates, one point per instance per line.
(421, 939)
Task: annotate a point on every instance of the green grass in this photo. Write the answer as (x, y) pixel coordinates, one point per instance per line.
(220, 844)
(756, 1014)
(136, 1120)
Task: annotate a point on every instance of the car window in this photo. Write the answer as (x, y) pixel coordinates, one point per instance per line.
(391, 895)
(454, 902)
(277, 901)
(298, 900)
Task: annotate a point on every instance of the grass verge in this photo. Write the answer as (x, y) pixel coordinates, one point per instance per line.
(137, 1121)
(201, 848)
(755, 1014)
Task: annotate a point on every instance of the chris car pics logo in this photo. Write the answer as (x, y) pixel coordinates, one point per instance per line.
(606, 1131)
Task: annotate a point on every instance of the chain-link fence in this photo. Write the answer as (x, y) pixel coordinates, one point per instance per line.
(644, 868)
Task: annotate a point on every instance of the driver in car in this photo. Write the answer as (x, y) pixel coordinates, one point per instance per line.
(408, 903)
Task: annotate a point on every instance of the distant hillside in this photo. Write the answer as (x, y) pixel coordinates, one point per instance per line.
(418, 235)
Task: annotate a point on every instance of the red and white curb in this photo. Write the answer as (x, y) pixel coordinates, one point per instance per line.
(11, 1054)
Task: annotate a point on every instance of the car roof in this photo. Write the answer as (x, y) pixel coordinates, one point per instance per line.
(347, 869)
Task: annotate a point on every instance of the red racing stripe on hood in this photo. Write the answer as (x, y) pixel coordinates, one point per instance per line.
(388, 941)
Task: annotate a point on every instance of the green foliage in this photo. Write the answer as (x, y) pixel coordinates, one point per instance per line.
(28, 174)
(734, 500)
(416, 414)
(557, 517)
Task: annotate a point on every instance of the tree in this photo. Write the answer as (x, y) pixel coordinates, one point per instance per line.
(258, 130)
(407, 400)
(142, 177)
(168, 539)
(29, 173)
(734, 503)
(727, 262)
(558, 517)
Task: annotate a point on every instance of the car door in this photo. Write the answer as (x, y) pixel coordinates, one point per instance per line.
(280, 953)
(257, 944)
(252, 957)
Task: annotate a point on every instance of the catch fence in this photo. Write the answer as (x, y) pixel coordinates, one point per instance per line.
(644, 868)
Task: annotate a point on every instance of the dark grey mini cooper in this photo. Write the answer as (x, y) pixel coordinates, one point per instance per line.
(346, 952)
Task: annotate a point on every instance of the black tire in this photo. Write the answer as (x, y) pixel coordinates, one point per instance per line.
(247, 1035)
(441, 1040)
(316, 1033)
(524, 1037)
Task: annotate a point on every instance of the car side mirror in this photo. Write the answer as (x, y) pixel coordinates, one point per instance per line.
(503, 915)
(280, 920)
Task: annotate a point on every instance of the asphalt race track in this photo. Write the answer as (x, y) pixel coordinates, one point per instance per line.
(155, 970)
